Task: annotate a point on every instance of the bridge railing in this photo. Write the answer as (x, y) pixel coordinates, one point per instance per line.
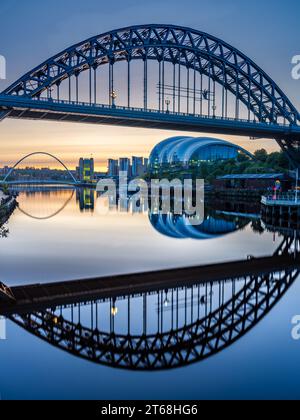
(156, 111)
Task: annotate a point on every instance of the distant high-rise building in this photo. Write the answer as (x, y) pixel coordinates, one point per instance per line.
(137, 166)
(146, 164)
(86, 170)
(113, 167)
(125, 166)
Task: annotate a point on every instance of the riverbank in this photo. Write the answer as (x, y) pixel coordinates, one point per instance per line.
(8, 204)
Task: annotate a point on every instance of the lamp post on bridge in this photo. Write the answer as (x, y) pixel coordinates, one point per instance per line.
(214, 108)
(168, 102)
(113, 96)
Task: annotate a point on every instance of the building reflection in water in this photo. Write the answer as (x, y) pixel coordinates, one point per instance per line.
(85, 198)
(220, 218)
(213, 226)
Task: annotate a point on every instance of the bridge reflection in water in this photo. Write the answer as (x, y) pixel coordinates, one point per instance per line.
(160, 327)
(50, 200)
(219, 219)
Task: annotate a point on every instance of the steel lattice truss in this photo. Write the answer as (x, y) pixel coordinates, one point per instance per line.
(193, 49)
(175, 348)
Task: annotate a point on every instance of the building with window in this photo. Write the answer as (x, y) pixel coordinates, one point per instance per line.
(113, 167)
(189, 152)
(125, 165)
(254, 182)
(137, 166)
(86, 170)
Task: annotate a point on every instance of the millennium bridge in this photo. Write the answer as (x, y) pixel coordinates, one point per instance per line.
(155, 321)
(157, 76)
(7, 178)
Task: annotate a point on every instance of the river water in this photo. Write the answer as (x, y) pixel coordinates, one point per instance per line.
(60, 234)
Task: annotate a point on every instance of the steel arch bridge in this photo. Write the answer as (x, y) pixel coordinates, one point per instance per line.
(200, 82)
(74, 180)
(177, 346)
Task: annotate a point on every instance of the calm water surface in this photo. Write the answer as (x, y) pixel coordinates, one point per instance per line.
(62, 234)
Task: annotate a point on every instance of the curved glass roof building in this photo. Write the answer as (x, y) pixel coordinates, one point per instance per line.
(191, 151)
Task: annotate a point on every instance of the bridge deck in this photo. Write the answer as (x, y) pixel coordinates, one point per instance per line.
(53, 110)
(51, 183)
(42, 296)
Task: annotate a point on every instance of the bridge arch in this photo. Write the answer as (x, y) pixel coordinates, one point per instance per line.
(170, 349)
(214, 330)
(220, 62)
(39, 153)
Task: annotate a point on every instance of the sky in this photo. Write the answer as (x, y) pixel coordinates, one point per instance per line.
(32, 31)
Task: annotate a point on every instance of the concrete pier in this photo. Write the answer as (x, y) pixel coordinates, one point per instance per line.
(284, 210)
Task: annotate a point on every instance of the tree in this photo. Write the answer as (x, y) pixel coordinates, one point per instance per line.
(261, 155)
(210, 170)
(278, 161)
(4, 188)
(242, 157)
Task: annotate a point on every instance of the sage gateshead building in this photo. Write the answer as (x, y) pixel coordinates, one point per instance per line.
(189, 152)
